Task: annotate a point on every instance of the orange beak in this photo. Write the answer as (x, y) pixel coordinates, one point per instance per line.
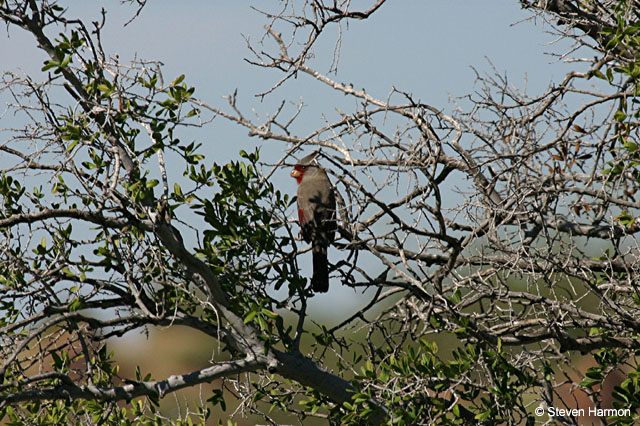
(296, 173)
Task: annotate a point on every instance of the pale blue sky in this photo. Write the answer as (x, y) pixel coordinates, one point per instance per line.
(425, 47)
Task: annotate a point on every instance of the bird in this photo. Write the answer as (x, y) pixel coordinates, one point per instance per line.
(316, 215)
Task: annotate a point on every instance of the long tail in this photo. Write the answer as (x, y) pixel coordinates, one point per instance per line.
(320, 279)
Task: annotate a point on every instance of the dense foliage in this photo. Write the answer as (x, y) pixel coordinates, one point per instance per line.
(498, 243)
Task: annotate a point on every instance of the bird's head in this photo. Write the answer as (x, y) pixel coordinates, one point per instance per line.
(305, 165)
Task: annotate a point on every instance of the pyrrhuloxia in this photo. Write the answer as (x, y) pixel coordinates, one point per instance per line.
(317, 215)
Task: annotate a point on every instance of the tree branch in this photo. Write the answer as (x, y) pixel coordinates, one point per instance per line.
(133, 390)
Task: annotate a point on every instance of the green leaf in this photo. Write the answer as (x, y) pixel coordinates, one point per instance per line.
(65, 61)
(49, 64)
(75, 305)
(177, 190)
(250, 316)
(587, 383)
(619, 116)
(177, 80)
(483, 416)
